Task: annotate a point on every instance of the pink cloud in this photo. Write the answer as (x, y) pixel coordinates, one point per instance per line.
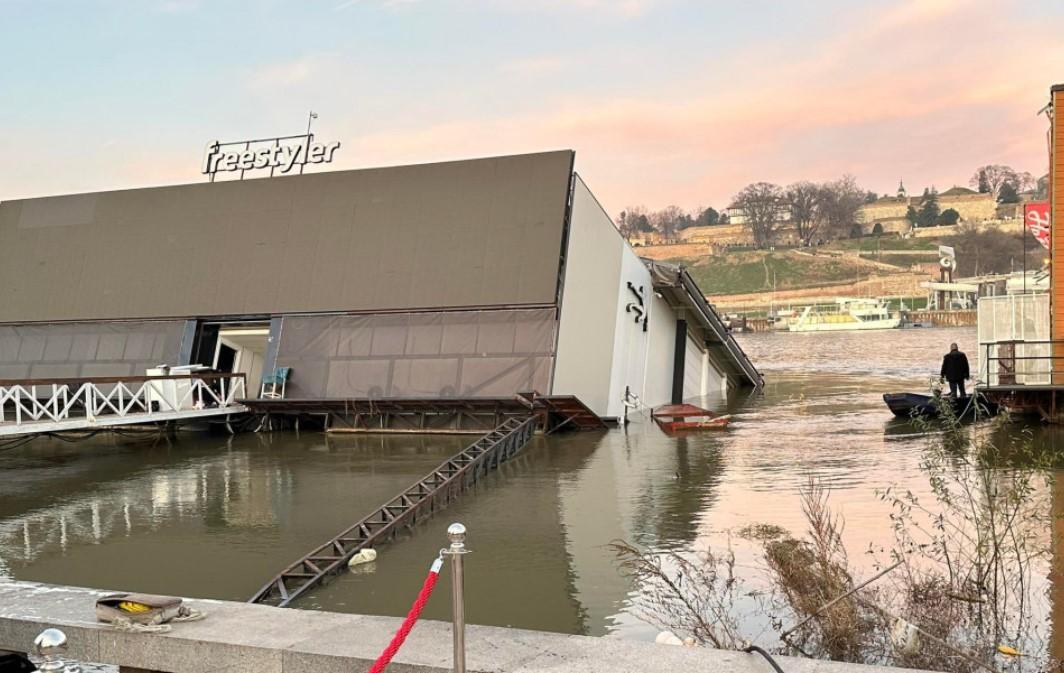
(915, 92)
(924, 90)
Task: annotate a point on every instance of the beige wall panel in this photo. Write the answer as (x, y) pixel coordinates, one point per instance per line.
(590, 302)
(87, 349)
(465, 233)
(493, 353)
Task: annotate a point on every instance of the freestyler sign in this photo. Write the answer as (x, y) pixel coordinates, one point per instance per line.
(277, 154)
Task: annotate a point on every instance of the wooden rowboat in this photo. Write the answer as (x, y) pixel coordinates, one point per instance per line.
(674, 417)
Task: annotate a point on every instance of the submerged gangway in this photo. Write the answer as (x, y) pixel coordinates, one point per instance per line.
(33, 406)
(416, 503)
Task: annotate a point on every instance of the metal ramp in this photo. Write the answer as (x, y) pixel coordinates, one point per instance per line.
(416, 503)
(35, 406)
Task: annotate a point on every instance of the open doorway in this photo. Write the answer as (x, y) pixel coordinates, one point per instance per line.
(242, 350)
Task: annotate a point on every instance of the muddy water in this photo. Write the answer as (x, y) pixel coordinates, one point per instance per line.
(216, 517)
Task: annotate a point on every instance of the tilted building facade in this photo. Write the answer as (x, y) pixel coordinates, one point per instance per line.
(477, 278)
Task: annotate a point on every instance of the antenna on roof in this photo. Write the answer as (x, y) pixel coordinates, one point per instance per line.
(310, 118)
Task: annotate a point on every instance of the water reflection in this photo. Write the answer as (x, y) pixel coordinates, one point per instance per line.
(209, 517)
(201, 517)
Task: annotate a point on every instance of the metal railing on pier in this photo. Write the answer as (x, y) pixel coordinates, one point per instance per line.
(1023, 363)
(52, 405)
(418, 502)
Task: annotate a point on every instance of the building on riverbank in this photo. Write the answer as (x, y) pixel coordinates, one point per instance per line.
(463, 279)
(1021, 336)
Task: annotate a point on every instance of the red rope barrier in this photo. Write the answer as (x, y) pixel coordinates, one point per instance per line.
(411, 619)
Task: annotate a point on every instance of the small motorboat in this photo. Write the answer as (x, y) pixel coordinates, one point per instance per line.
(908, 405)
(673, 417)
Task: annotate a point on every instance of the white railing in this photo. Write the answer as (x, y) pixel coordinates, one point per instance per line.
(97, 400)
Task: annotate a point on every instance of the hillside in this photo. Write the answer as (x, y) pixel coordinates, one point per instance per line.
(722, 271)
(753, 271)
(746, 271)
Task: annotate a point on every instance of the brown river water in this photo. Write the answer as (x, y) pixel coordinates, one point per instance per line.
(213, 516)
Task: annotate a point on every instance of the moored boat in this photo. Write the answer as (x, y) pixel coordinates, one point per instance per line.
(847, 314)
(909, 405)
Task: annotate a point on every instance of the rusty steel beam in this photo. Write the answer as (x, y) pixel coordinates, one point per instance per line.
(419, 501)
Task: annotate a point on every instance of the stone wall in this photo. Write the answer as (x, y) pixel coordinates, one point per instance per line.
(245, 638)
(734, 234)
(883, 209)
(971, 207)
(1008, 226)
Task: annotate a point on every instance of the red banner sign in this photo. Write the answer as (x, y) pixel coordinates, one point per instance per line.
(1036, 218)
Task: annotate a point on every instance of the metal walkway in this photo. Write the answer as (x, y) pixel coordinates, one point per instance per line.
(416, 503)
(34, 406)
(474, 415)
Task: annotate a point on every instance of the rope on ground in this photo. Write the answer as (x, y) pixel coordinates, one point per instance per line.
(185, 614)
(766, 655)
(411, 618)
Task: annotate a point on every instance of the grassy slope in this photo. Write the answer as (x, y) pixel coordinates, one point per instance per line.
(900, 260)
(869, 244)
(742, 272)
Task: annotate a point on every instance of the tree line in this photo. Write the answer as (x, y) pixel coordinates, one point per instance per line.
(819, 211)
(667, 221)
(816, 211)
(1005, 183)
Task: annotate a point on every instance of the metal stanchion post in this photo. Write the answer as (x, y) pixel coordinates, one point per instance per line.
(456, 533)
(51, 645)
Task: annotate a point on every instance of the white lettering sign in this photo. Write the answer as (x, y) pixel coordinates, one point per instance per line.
(271, 154)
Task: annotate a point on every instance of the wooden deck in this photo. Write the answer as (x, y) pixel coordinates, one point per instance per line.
(1044, 400)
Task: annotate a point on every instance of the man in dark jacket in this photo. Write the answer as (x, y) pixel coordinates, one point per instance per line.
(955, 370)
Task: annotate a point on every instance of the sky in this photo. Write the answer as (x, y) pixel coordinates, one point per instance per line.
(666, 102)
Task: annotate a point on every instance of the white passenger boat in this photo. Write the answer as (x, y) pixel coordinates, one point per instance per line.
(847, 314)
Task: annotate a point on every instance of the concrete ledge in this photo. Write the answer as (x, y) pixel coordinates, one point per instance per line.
(244, 638)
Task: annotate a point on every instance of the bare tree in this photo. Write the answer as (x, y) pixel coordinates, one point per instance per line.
(839, 202)
(804, 200)
(635, 220)
(1025, 182)
(993, 176)
(1041, 189)
(668, 220)
(762, 204)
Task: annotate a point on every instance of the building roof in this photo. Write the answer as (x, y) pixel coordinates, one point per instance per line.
(681, 292)
(481, 232)
(959, 191)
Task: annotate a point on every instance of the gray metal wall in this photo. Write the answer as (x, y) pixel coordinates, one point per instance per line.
(462, 234)
(494, 353)
(87, 349)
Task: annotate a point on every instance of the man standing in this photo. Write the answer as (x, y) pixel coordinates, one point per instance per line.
(955, 370)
